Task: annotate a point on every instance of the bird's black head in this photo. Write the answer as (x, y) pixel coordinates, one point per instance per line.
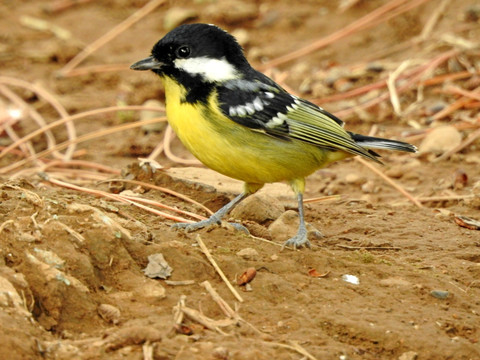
(196, 52)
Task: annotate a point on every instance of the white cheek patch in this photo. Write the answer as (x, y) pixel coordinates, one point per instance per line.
(213, 70)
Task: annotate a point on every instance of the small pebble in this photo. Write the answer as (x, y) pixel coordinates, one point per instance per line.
(409, 355)
(248, 254)
(440, 294)
(354, 179)
(370, 187)
(109, 313)
(440, 140)
(221, 353)
(260, 208)
(157, 267)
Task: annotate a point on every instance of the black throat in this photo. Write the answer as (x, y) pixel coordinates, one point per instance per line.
(198, 90)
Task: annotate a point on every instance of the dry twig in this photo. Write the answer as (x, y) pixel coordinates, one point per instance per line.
(91, 48)
(388, 180)
(210, 258)
(377, 16)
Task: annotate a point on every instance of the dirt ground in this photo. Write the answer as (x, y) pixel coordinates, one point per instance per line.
(72, 279)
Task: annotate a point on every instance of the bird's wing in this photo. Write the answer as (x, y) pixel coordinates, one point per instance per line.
(272, 110)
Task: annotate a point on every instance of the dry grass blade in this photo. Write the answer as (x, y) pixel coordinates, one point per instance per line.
(115, 197)
(392, 79)
(82, 163)
(444, 78)
(445, 198)
(97, 69)
(217, 268)
(165, 190)
(475, 94)
(42, 93)
(379, 15)
(322, 199)
(295, 346)
(73, 118)
(222, 304)
(432, 21)
(167, 140)
(396, 186)
(89, 49)
(413, 81)
(163, 206)
(86, 137)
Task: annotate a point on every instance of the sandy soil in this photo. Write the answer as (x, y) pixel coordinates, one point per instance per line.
(72, 281)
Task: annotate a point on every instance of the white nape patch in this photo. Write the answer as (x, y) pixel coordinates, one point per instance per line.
(213, 70)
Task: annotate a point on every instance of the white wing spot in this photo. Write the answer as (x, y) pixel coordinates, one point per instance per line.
(269, 95)
(250, 108)
(241, 110)
(258, 104)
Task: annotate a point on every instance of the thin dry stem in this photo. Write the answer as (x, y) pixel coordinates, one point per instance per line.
(322, 199)
(388, 180)
(167, 140)
(425, 69)
(115, 197)
(81, 163)
(97, 69)
(392, 78)
(166, 191)
(445, 198)
(163, 206)
(41, 92)
(91, 48)
(210, 258)
(295, 346)
(433, 20)
(377, 16)
(85, 137)
(74, 118)
(222, 304)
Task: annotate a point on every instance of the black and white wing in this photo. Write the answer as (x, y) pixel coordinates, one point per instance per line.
(264, 106)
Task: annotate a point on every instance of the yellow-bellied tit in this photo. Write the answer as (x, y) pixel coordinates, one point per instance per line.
(239, 122)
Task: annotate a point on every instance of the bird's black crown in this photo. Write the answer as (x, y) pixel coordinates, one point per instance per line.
(199, 40)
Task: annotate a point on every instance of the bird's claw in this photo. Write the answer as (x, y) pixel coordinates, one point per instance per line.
(298, 241)
(239, 227)
(189, 227)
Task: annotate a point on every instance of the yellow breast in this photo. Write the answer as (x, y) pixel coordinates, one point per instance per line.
(235, 150)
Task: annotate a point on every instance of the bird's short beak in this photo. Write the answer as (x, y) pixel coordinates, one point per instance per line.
(149, 63)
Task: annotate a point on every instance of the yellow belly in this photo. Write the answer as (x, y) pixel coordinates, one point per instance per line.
(237, 151)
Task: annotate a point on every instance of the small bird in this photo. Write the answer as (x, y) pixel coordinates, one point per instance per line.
(242, 124)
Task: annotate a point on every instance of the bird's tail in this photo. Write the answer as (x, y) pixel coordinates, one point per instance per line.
(371, 142)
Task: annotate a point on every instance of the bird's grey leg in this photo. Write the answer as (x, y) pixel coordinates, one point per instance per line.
(300, 239)
(216, 218)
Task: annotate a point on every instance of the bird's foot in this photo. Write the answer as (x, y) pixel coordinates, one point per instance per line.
(299, 240)
(188, 227)
(211, 221)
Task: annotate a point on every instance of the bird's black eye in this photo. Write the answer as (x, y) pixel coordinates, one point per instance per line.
(183, 52)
